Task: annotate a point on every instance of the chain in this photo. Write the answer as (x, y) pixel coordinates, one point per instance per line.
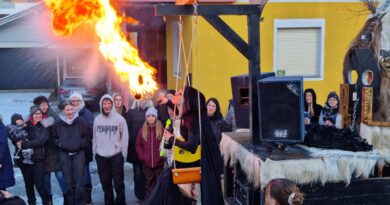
(355, 104)
(195, 14)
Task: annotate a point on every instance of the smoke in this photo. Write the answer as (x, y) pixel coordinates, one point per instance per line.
(78, 54)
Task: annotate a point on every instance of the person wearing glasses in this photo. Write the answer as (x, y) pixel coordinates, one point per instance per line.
(52, 153)
(37, 137)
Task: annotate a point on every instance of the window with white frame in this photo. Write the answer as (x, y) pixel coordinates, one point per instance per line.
(177, 65)
(299, 47)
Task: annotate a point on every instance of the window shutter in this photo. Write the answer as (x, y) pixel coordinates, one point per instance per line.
(298, 51)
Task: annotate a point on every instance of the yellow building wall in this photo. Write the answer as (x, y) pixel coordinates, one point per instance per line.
(218, 60)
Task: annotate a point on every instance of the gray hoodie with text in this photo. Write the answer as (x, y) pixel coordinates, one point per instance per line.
(110, 134)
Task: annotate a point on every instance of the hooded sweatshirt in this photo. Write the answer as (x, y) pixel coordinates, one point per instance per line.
(110, 134)
(71, 135)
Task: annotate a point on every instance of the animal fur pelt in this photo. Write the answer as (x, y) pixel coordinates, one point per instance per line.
(231, 150)
(326, 165)
(378, 137)
(333, 138)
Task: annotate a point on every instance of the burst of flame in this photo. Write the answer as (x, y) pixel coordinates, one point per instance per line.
(69, 14)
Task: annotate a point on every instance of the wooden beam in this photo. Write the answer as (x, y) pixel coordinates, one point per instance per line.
(224, 29)
(344, 104)
(172, 9)
(254, 75)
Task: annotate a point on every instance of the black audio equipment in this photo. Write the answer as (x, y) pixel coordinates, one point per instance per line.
(281, 109)
(240, 91)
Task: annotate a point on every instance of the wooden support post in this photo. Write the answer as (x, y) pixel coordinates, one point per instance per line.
(366, 111)
(344, 104)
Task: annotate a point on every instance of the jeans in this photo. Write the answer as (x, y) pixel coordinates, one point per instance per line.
(87, 174)
(61, 181)
(139, 181)
(111, 170)
(73, 168)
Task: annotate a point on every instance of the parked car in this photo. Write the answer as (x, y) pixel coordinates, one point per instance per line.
(91, 94)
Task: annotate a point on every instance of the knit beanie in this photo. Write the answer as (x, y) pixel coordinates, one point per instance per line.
(333, 95)
(151, 111)
(15, 117)
(34, 108)
(76, 95)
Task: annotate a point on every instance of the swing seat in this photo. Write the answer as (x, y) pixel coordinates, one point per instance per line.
(186, 175)
(184, 2)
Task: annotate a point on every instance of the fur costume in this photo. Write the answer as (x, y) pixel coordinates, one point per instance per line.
(333, 138)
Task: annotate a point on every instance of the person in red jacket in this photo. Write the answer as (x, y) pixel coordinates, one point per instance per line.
(148, 149)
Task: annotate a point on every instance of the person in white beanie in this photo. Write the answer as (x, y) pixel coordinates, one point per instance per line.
(76, 100)
(148, 149)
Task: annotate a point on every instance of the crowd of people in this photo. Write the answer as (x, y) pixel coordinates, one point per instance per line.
(65, 143)
(327, 115)
(145, 135)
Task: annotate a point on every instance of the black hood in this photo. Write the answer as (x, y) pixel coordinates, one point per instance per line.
(190, 104)
(313, 93)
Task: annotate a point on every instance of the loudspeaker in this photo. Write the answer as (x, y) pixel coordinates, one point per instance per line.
(240, 91)
(281, 109)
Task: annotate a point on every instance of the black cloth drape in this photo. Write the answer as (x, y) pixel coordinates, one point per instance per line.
(167, 193)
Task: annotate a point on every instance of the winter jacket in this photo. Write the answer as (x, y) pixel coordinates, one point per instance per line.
(88, 118)
(123, 112)
(6, 171)
(110, 133)
(16, 133)
(219, 125)
(72, 137)
(135, 120)
(149, 151)
(331, 114)
(37, 137)
(52, 152)
(163, 114)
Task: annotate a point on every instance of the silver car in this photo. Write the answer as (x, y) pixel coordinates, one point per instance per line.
(77, 85)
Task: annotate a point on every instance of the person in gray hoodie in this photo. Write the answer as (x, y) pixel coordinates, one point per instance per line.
(110, 142)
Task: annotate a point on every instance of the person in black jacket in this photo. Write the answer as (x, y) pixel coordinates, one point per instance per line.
(217, 122)
(35, 174)
(312, 109)
(79, 107)
(135, 119)
(52, 153)
(72, 136)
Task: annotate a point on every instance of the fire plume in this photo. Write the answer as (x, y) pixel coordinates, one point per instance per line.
(69, 14)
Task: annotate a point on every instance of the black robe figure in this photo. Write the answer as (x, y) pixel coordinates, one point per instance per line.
(167, 193)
